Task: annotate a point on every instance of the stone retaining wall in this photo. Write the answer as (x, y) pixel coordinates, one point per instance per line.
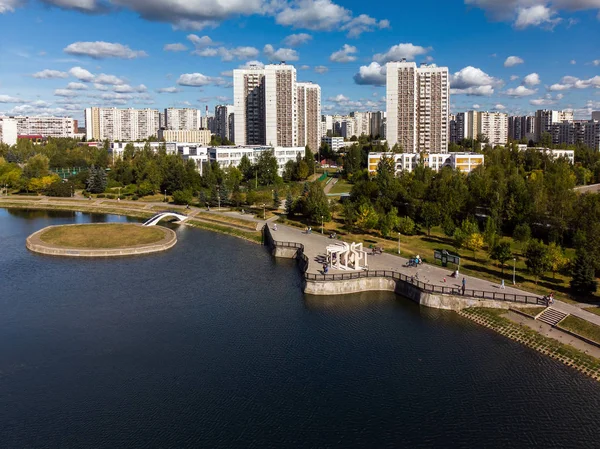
(35, 244)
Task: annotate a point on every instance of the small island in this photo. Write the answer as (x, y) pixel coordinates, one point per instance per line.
(101, 240)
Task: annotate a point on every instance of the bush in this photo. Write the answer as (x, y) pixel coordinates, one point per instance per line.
(183, 197)
(101, 195)
(406, 226)
(112, 184)
(135, 197)
(111, 197)
(60, 189)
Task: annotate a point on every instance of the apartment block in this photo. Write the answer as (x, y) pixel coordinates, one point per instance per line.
(586, 132)
(544, 119)
(362, 122)
(225, 122)
(281, 117)
(45, 126)
(182, 118)
(521, 127)
(494, 125)
(231, 156)
(407, 162)
(335, 143)
(309, 115)
(197, 136)
(8, 131)
(121, 124)
(249, 106)
(418, 107)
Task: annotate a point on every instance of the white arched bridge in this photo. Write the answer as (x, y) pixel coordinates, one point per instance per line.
(166, 214)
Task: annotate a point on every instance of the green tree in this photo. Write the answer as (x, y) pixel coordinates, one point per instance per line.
(276, 200)
(502, 253)
(557, 258)
(522, 233)
(583, 282)
(245, 167)
(316, 204)
(389, 222)
(536, 259)
(267, 168)
(309, 159)
(60, 189)
(183, 197)
(289, 204)
(37, 166)
(406, 226)
(97, 181)
(366, 217)
(431, 215)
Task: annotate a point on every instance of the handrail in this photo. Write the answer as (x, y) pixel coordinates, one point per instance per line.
(427, 288)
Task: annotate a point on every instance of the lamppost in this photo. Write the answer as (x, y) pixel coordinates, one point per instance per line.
(165, 195)
(119, 198)
(514, 270)
(399, 234)
(264, 206)
(219, 200)
(322, 224)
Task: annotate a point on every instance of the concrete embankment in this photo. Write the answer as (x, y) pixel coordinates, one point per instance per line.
(34, 243)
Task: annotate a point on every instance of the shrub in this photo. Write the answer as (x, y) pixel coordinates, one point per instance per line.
(101, 195)
(111, 197)
(60, 189)
(135, 197)
(183, 197)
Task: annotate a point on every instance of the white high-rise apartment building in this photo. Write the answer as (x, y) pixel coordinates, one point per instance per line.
(121, 124)
(249, 106)
(309, 115)
(46, 126)
(8, 131)
(182, 119)
(418, 107)
(494, 125)
(544, 119)
(281, 115)
(363, 123)
(224, 122)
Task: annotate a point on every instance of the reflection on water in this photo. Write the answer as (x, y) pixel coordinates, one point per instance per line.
(212, 344)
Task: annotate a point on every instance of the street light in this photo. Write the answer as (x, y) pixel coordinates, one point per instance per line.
(264, 211)
(165, 195)
(322, 224)
(514, 270)
(219, 199)
(399, 234)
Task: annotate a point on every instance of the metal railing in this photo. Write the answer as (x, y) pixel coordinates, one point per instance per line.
(411, 280)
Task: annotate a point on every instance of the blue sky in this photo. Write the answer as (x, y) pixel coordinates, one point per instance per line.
(60, 56)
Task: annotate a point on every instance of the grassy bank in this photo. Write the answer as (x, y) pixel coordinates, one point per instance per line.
(581, 327)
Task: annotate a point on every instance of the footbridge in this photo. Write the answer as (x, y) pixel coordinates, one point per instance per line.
(166, 214)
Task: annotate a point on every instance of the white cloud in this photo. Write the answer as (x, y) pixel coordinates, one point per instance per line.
(313, 15)
(66, 93)
(372, 74)
(400, 51)
(227, 73)
(168, 90)
(596, 62)
(50, 74)
(363, 23)
(294, 40)
(541, 101)
(571, 82)
(500, 107)
(512, 61)
(304, 67)
(200, 42)
(476, 106)
(251, 65)
(339, 99)
(102, 50)
(520, 91)
(473, 81)
(81, 74)
(9, 99)
(228, 54)
(535, 16)
(321, 69)
(194, 79)
(8, 5)
(281, 54)
(77, 86)
(103, 78)
(126, 88)
(573, 62)
(514, 77)
(533, 79)
(174, 47)
(344, 55)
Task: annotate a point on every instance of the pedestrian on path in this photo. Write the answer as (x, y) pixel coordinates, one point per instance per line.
(464, 285)
(502, 285)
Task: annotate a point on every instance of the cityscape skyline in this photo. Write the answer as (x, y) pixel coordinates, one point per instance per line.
(68, 61)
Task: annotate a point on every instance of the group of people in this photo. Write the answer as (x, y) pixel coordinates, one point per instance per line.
(308, 230)
(415, 261)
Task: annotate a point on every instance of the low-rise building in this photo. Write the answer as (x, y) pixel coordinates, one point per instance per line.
(553, 153)
(193, 152)
(335, 143)
(231, 156)
(117, 148)
(199, 136)
(465, 162)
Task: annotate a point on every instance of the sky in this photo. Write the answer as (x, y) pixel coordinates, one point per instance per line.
(61, 56)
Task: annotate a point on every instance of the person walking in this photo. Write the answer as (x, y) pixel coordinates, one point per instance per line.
(502, 285)
(464, 285)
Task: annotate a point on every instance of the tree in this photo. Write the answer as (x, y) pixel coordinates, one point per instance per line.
(97, 181)
(473, 242)
(406, 226)
(276, 200)
(583, 282)
(366, 218)
(431, 215)
(37, 166)
(522, 233)
(309, 158)
(316, 204)
(267, 168)
(502, 253)
(556, 258)
(183, 197)
(536, 259)
(246, 167)
(60, 189)
(289, 204)
(389, 222)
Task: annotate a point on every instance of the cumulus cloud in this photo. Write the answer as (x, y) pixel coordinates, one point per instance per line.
(10, 99)
(500, 107)
(321, 69)
(363, 23)
(168, 90)
(200, 42)
(8, 5)
(126, 88)
(77, 86)
(514, 77)
(295, 40)
(473, 81)
(520, 91)
(400, 51)
(103, 78)
(340, 98)
(313, 15)
(372, 74)
(572, 82)
(81, 74)
(281, 54)
(66, 93)
(174, 47)
(228, 54)
(536, 15)
(194, 79)
(596, 62)
(252, 65)
(50, 74)
(103, 50)
(533, 79)
(344, 55)
(512, 61)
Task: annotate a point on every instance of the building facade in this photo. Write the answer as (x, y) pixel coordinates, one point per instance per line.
(231, 156)
(182, 118)
(249, 106)
(45, 126)
(281, 115)
(544, 119)
(224, 122)
(521, 128)
(198, 136)
(309, 115)
(8, 131)
(407, 162)
(493, 125)
(121, 124)
(418, 107)
(335, 143)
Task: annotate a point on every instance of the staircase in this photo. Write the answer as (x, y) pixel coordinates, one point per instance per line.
(551, 316)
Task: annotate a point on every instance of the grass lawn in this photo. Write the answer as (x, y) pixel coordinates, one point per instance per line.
(342, 186)
(531, 311)
(581, 327)
(594, 310)
(102, 236)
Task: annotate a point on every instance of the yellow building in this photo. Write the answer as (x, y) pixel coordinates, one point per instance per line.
(199, 136)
